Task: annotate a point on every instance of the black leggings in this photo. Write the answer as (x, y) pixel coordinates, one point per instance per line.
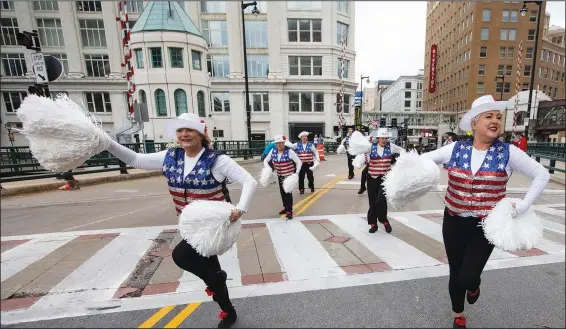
(364, 177)
(468, 251)
(377, 202)
(306, 169)
(350, 165)
(287, 198)
(207, 269)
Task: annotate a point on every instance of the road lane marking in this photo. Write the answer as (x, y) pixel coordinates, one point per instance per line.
(108, 218)
(185, 313)
(320, 194)
(149, 323)
(299, 204)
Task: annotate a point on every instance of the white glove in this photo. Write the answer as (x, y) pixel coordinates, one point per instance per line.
(521, 207)
(315, 165)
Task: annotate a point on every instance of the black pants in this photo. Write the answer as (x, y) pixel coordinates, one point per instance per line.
(287, 198)
(377, 202)
(350, 165)
(306, 169)
(207, 269)
(468, 251)
(364, 178)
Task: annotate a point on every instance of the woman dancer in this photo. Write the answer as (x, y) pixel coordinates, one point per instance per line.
(286, 163)
(478, 171)
(345, 143)
(194, 171)
(308, 154)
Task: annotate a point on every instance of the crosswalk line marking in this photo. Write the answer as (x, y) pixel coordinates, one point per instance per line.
(292, 238)
(100, 276)
(22, 256)
(395, 252)
(185, 313)
(550, 225)
(149, 323)
(553, 212)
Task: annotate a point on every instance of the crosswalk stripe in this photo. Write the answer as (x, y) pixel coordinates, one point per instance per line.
(550, 225)
(101, 275)
(393, 251)
(20, 257)
(292, 238)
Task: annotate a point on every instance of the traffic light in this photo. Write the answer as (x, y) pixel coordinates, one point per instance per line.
(394, 122)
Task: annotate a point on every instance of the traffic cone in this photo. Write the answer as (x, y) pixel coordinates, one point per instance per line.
(65, 187)
(320, 149)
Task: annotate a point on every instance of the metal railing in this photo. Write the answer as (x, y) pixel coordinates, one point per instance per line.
(550, 151)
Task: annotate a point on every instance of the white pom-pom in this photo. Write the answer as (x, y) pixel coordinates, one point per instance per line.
(265, 176)
(341, 149)
(206, 226)
(61, 135)
(359, 161)
(509, 232)
(410, 178)
(290, 183)
(314, 166)
(358, 144)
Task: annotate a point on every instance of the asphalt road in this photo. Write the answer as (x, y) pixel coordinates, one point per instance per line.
(524, 297)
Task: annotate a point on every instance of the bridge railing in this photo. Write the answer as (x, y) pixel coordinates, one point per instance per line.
(550, 151)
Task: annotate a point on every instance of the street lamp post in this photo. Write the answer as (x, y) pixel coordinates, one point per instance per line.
(533, 69)
(255, 11)
(502, 78)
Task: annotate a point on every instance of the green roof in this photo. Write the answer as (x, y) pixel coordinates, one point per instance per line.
(165, 16)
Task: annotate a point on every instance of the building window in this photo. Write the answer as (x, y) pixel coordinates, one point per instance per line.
(508, 34)
(134, 6)
(221, 102)
(50, 32)
(98, 102)
(306, 102)
(258, 66)
(215, 33)
(6, 5)
(156, 57)
(529, 53)
(344, 6)
(142, 97)
(260, 102)
(481, 69)
(13, 100)
(486, 15)
(533, 16)
(256, 34)
(480, 87)
(525, 87)
(218, 133)
(408, 103)
(345, 105)
(89, 6)
(346, 68)
(510, 16)
(212, 7)
(201, 104)
(13, 65)
(527, 71)
(45, 5)
(510, 52)
(97, 65)
(484, 34)
(92, 33)
(508, 69)
(176, 57)
(408, 85)
(63, 59)
(218, 65)
(502, 52)
(545, 73)
(419, 86)
(304, 30)
(9, 31)
(341, 33)
(160, 103)
(304, 5)
(507, 88)
(531, 35)
(305, 65)
(483, 52)
(139, 58)
(408, 94)
(196, 58)
(542, 55)
(181, 106)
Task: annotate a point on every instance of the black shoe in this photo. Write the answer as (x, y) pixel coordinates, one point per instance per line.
(459, 322)
(282, 212)
(387, 227)
(312, 189)
(362, 190)
(302, 191)
(289, 215)
(350, 177)
(472, 296)
(373, 229)
(227, 319)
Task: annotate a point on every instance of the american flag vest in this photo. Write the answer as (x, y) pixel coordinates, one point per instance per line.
(285, 166)
(379, 165)
(346, 140)
(305, 152)
(476, 194)
(199, 184)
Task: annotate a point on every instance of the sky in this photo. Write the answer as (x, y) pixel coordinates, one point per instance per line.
(390, 37)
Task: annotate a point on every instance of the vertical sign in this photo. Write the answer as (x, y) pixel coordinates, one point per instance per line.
(39, 67)
(358, 98)
(358, 118)
(432, 78)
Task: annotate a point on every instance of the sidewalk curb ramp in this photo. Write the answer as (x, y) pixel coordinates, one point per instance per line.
(56, 184)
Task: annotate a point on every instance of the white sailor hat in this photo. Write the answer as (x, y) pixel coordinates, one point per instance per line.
(185, 120)
(303, 133)
(279, 138)
(383, 132)
(481, 105)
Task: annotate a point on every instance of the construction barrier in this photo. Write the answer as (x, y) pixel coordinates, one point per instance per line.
(320, 148)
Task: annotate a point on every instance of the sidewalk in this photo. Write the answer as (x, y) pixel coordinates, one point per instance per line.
(50, 184)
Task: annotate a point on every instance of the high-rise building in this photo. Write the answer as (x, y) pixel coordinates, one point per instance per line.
(293, 56)
(404, 95)
(382, 85)
(370, 96)
(475, 45)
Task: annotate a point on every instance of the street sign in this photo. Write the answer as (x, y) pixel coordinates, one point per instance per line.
(358, 98)
(39, 68)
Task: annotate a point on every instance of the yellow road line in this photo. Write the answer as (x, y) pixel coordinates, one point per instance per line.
(176, 321)
(149, 323)
(323, 192)
(324, 189)
(299, 204)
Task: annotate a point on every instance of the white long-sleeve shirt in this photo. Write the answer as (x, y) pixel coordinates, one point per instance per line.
(224, 167)
(518, 161)
(292, 155)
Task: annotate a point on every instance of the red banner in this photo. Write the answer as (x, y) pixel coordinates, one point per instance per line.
(432, 79)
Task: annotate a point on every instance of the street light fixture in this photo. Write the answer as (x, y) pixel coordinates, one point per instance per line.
(535, 55)
(502, 78)
(362, 90)
(255, 11)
